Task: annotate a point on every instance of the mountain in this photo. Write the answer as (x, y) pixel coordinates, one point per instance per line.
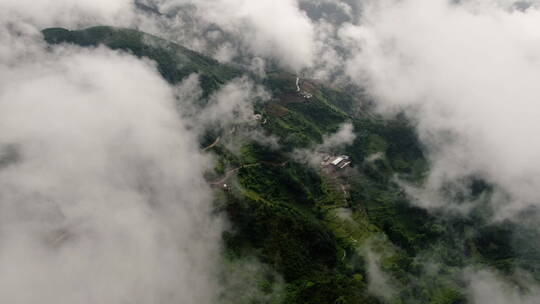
(174, 61)
(325, 231)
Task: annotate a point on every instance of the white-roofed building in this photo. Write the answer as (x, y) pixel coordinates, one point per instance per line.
(341, 161)
(336, 161)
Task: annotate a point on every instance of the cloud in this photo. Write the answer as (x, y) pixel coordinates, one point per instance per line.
(251, 25)
(228, 113)
(98, 174)
(101, 187)
(485, 286)
(254, 22)
(328, 9)
(380, 283)
(343, 136)
(48, 13)
(332, 143)
(305, 40)
(231, 105)
(248, 280)
(468, 73)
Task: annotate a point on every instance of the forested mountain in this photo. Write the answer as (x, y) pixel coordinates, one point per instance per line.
(324, 232)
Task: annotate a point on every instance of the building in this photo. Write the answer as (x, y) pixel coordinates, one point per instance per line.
(306, 95)
(340, 162)
(337, 160)
(343, 164)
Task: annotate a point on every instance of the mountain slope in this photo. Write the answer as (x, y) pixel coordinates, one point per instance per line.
(298, 218)
(174, 61)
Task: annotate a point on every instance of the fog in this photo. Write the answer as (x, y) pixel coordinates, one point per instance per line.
(466, 73)
(468, 76)
(488, 287)
(332, 143)
(102, 194)
(244, 27)
(48, 13)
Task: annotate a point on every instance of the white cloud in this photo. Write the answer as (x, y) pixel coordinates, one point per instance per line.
(468, 72)
(231, 105)
(332, 143)
(105, 201)
(278, 30)
(380, 283)
(48, 13)
(486, 287)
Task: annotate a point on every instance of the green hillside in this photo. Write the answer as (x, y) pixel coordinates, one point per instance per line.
(174, 61)
(299, 220)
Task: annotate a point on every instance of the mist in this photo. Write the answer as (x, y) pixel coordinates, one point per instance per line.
(488, 287)
(101, 185)
(102, 194)
(467, 73)
(105, 201)
(331, 143)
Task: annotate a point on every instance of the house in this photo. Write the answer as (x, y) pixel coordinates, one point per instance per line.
(344, 164)
(341, 161)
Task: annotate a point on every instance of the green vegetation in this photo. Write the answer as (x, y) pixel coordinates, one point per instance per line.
(297, 121)
(295, 218)
(174, 61)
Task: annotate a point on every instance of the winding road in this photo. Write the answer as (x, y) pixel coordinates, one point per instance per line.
(230, 172)
(212, 144)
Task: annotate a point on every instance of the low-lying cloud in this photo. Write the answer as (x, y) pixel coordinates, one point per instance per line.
(485, 286)
(101, 179)
(48, 13)
(102, 193)
(243, 26)
(332, 144)
(468, 73)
